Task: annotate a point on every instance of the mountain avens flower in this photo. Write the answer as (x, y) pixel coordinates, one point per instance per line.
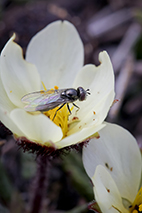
(114, 164)
(54, 60)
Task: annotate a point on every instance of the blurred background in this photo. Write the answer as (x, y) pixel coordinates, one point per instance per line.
(114, 26)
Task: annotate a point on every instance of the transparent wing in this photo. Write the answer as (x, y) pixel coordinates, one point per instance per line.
(28, 98)
(42, 100)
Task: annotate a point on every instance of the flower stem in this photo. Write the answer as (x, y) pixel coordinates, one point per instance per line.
(39, 184)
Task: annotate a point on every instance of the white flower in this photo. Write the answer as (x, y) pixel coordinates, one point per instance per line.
(113, 162)
(55, 57)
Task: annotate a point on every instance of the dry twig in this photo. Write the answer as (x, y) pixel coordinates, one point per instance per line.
(98, 27)
(125, 46)
(121, 85)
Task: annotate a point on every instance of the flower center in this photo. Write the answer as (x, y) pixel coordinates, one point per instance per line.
(137, 204)
(59, 117)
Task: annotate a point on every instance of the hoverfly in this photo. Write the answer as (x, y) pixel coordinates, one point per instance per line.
(49, 99)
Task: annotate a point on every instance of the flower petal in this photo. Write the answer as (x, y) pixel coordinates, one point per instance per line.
(106, 192)
(37, 128)
(57, 52)
(6, 120)
(79, 136)
(18, 76)
(5, 108)
(100, 81)
(93, 115)
(116, 150)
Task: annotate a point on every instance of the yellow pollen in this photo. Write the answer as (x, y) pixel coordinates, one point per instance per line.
(10, 91)
(140, 207)
(56, 87)
(135, 211)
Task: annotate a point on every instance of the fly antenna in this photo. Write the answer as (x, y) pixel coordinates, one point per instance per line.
(88, 91)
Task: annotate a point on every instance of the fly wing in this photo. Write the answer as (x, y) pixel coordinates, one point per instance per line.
(28, 98)
(42, 100)
(50, 105)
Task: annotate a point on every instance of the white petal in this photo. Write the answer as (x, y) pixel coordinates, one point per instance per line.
(79, 136)
(5, 108)
(100, 80)
(117, 150)
(106, 192)
(94, 115)
(102, 108)
(6, 120)
(36, 127)
(18, 76)
(57, 51)
(4, 100)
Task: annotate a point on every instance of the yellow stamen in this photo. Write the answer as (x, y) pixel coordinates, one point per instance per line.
(42, 91)
(137, 204)
(10, 91)
(43, 85)
(71, 108)
(135, 211)
(61, 118)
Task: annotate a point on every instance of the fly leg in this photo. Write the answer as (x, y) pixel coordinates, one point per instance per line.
(58, 110)
(69, 109)
(76, 107)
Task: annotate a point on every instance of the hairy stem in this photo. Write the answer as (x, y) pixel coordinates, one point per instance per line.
(39, 184)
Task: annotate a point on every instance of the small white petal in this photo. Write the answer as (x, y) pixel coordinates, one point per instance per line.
(37, 128)
(117, 150)
(18, 76)
(57, 51)
(106, 192)
(79, 136)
